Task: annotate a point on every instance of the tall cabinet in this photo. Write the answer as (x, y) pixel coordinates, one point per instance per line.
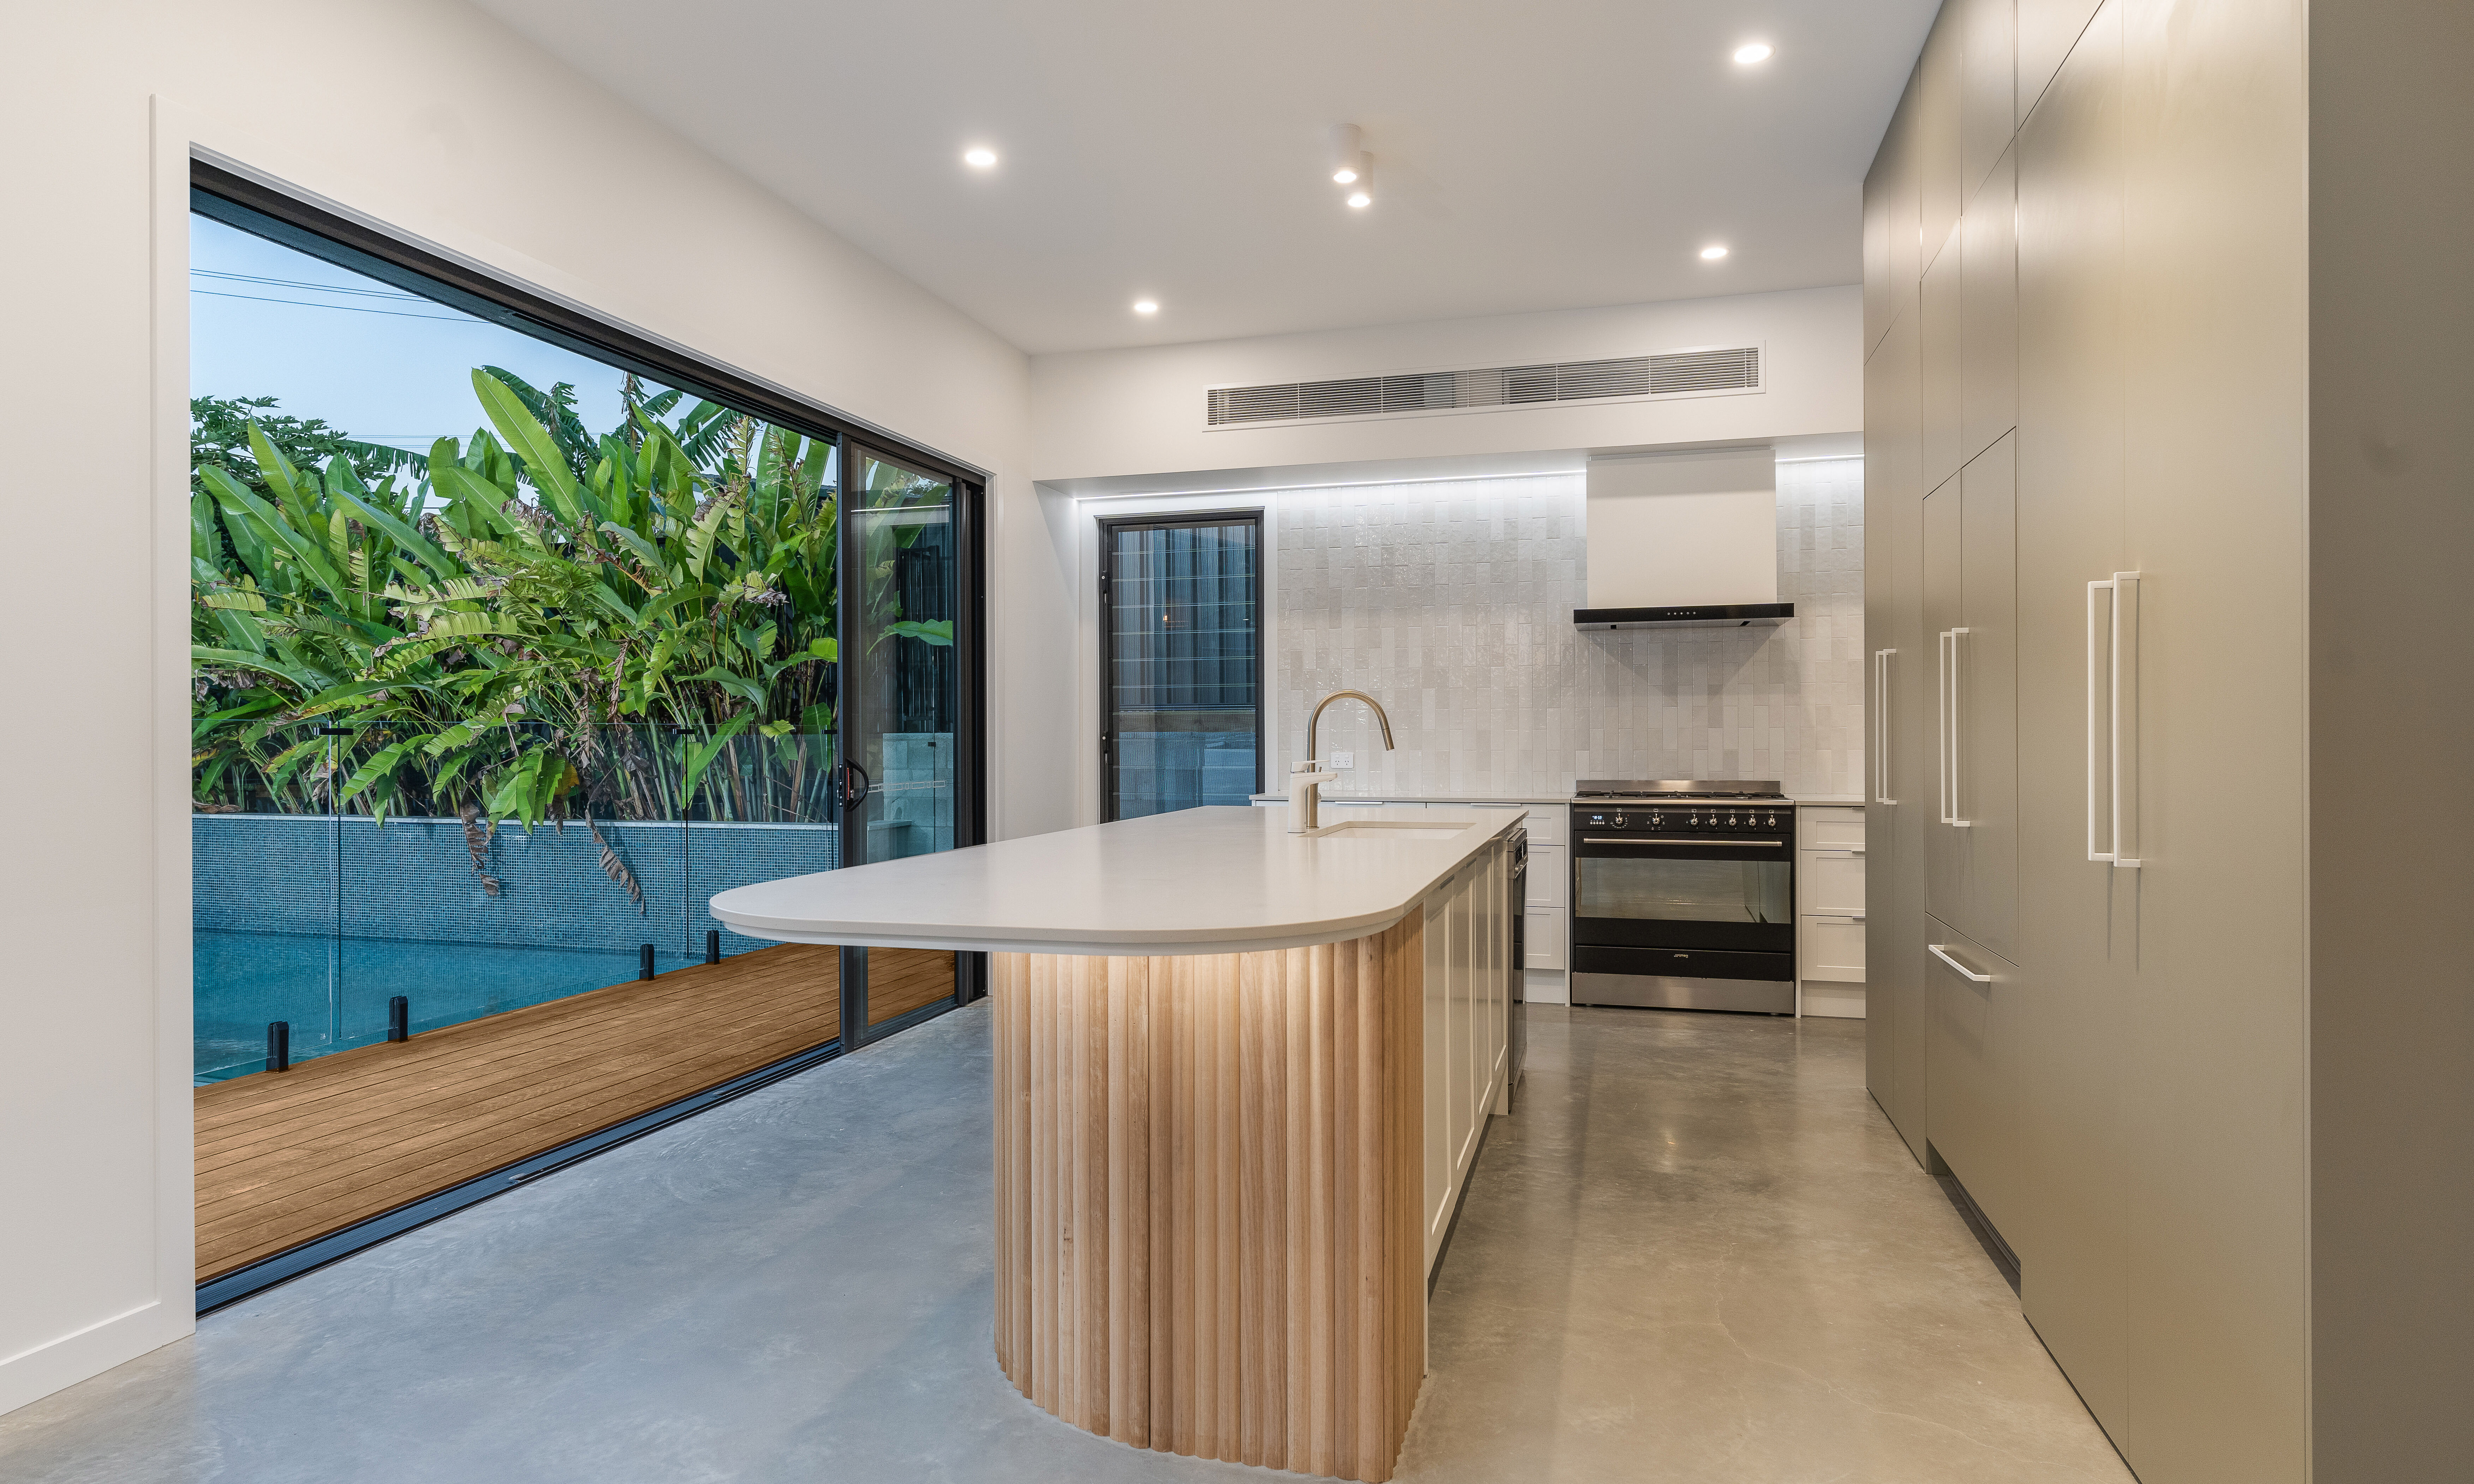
(2085, 340)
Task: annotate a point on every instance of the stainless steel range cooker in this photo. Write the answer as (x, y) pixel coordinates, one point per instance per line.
(1683, 894)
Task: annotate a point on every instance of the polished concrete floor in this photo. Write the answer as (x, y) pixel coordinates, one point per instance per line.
(1695, 1253)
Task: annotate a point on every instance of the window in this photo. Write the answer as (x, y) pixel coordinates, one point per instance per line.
(517, 637)
(1182, 662)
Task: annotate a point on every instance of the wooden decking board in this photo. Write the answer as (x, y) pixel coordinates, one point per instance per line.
(512, 1108)
(531, 1028)
(288, 1158)
(423, 1069)
(913, 986)
(371, 1076)
(481, 1124)
(304, 1171)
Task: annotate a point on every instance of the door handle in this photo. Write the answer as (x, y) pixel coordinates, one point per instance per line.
(1676, 840)
(1881, 726)
(1946, 650)
(854, 784)
(2121, 593)
(1964, 972)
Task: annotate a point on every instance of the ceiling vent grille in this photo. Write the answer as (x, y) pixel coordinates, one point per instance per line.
(1676, 373)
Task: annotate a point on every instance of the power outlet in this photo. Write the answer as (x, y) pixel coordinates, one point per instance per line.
(1342, 762)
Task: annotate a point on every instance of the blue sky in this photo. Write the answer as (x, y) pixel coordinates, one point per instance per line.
(373, 361)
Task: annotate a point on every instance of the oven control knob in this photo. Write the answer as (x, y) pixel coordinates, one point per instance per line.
(1773, 822)
(1696, 822)
(1619, 821)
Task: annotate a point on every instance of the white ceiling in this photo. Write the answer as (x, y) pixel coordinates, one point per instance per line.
(1528, 157)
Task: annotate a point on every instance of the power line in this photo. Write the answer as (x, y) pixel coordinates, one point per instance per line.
(304, 283)
(304, 303)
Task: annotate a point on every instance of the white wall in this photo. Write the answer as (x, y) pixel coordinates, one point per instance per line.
(1106, 415)
(426, 116)
(1451, 603)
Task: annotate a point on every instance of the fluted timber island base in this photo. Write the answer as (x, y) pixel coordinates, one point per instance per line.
(1207, 1197)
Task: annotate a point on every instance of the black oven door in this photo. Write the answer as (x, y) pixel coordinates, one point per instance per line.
(1661, 892)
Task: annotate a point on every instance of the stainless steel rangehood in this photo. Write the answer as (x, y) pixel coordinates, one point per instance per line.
(1685, 540)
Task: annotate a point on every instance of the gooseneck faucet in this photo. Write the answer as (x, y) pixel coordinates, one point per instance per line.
(1307, 779)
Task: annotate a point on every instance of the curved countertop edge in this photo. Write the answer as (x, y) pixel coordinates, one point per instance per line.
(1136, 941)
(1153, 946)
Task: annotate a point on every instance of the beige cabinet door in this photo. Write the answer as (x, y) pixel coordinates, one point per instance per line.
(1973, 1069)
(2078, 916)
(1896, 1010)
(1984, 700)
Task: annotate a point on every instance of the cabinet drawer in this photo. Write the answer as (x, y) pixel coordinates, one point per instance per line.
(1545, 934)
(1550, 876)
(1835, 828)
(1829, 883)
(1829, 948)
(1550, 826)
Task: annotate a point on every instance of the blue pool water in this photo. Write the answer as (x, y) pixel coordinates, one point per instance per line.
(334, 990)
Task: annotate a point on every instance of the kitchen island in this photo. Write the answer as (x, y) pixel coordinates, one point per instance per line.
(1241, 1078)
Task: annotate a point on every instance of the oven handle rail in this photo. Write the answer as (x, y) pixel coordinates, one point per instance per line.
(1777, 845)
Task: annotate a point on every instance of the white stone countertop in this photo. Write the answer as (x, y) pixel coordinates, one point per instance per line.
(1227, 879)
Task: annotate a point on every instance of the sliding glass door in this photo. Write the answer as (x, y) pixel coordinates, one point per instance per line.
(1182, 652)
(901, 704)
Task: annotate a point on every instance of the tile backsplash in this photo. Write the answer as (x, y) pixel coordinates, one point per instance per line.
(1451, 602)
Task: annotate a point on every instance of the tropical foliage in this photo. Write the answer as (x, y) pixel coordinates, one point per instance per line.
(533, 623)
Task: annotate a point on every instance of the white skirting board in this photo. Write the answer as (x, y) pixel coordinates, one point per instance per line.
(1832, 999)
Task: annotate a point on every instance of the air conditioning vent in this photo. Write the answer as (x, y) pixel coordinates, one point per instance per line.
(1676, 373)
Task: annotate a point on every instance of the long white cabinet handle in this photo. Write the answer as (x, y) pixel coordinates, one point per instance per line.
(1946, 650)
(2120, 687)
(1881, 726)
(1833, 850)
(1964, 971)
(1839, 918)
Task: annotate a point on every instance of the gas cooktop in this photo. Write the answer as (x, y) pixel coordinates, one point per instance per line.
(1678, 788)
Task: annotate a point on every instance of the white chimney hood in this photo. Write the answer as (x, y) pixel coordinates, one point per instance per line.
(1682, 541)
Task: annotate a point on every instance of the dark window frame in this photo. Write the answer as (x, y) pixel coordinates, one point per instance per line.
(1255, 516)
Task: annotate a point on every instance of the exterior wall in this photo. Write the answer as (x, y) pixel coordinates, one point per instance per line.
(113, 97)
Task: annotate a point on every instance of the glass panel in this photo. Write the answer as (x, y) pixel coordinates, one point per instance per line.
(263, 870)
(465, 916)
(1185, 654)
(904, 689)
(1696, 891)
(764, 809)
(902, 695)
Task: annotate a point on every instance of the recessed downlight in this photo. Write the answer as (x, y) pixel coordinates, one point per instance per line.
(1146, 306)
(1713, 253)
(980, 156)
(1752, 52)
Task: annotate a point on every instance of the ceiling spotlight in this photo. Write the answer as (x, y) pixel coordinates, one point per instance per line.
(1752, 52)
(1348, 153)
(1714, 252)
(1362, 194)
(980, 156)
(1146, 306)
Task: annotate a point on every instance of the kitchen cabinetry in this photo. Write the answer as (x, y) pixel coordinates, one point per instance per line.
(2083, 958)
(1829, 910)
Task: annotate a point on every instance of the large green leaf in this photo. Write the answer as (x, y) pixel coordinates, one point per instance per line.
(545, 461)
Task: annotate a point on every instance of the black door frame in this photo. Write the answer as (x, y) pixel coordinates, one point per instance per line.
(970, 768)
(1109, 528)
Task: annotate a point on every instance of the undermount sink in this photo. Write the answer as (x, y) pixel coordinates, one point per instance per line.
(1378, 827)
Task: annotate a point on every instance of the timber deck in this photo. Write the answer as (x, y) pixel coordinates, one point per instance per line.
(287, 1158)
